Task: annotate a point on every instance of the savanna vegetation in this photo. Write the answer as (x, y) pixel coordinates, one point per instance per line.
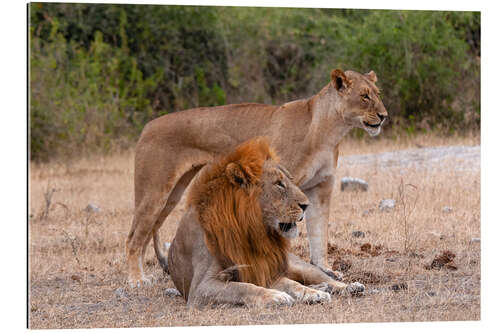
(81, 212)
(99, 72)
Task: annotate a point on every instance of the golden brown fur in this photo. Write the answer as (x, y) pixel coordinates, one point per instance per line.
(304, 133)
(232, 244)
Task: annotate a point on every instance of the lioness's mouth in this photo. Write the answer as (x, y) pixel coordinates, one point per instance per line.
(373, 126)
(286, 227)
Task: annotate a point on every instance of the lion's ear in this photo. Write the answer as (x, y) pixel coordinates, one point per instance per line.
(237, 175)
(371, 76)
(340, 81)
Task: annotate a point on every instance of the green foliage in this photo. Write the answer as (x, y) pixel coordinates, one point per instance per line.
(84, 98)
(421, 63)
(99, 72)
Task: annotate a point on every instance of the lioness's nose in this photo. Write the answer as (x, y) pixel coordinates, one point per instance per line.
(381, 116)
(303, 207)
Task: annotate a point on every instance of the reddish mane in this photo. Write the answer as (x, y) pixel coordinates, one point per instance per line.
(231, 217)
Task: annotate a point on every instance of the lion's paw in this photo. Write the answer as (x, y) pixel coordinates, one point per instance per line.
(323, 286)
(315, 296)
(333, 288)
(276, 297)
(355, 288)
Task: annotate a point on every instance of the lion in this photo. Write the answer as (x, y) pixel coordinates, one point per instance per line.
(305, 134)
(232, 244)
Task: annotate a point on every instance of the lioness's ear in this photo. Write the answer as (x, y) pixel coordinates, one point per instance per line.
(339, 80)
(236, 175)
(371, 76)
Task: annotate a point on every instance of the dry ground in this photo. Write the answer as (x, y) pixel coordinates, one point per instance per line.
(78, 271)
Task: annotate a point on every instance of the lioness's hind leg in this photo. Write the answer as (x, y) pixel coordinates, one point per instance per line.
(145, 216)
(173, 199)
(157, 174)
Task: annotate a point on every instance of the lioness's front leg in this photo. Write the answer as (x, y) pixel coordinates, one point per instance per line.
(300, 292)
(317, 216)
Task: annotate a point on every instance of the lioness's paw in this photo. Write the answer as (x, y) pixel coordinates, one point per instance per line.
(141, 281)
(315, 296)
(336, 275)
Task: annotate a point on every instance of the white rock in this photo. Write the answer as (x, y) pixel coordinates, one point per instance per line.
(91, 208)
(373, 291)
(120, 292)
(387, 204)
(437, 234)
(367, 212)
(358, 234)
(171, 292)
(353, 184)
(447, 209)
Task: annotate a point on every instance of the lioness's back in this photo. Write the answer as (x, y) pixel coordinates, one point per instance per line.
(209, 128)
(255, 110)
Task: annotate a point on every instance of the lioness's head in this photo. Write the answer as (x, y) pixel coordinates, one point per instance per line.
(360, 100)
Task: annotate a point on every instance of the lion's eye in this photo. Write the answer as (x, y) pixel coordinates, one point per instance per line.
(365, 97)
(280, 184)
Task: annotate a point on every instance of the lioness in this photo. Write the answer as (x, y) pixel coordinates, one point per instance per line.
(232, 243)
(305, 133)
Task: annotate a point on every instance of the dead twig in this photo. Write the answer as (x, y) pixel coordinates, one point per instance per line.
(408, 204)
(49, 192)
(73, 240)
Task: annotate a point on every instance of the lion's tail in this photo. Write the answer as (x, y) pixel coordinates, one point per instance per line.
(162, 259)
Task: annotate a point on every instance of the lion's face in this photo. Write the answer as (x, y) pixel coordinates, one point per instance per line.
(283, 203)
(362, 106)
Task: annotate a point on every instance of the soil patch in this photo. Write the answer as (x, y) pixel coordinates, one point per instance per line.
(366, 250)
(443, 260)
(341, 265)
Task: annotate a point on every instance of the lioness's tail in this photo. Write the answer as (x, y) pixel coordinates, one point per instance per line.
(162, 259)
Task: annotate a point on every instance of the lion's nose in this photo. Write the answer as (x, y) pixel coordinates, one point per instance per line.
(381, 116)
(303, 207)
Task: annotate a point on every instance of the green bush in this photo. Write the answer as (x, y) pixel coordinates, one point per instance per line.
(81, 99)
(98, 72)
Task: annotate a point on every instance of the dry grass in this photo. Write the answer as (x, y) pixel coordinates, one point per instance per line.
(77, 259)
(393, 142)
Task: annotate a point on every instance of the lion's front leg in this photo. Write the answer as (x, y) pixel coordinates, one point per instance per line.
(300, 292)
(310, 275)
(213, 291)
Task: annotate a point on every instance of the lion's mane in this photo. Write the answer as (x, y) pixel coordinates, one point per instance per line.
(226, 198)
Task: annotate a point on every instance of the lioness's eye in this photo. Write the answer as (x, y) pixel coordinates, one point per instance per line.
(365, 96)
(279, 183)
